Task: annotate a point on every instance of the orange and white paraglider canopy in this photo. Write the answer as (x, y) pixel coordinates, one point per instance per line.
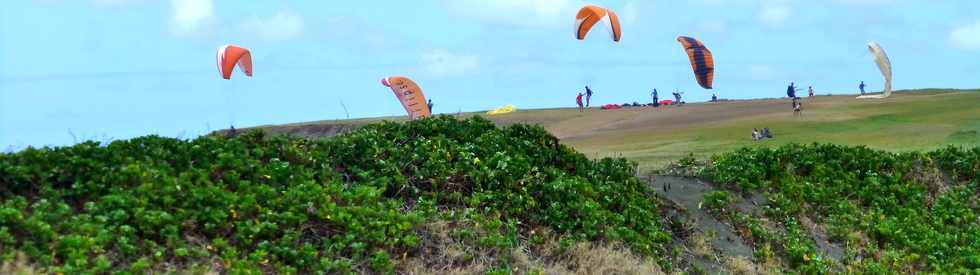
(589, 15)
(229, 55)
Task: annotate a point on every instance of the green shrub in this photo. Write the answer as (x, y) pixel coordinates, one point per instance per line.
(856, 190)
(716, 201)
(348, 204)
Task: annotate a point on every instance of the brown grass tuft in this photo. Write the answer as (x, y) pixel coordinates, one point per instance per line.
(740, 265)
(700, 244)
(442, 253)
(18, 266)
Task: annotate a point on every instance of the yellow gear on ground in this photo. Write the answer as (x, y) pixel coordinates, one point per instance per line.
(509, 108)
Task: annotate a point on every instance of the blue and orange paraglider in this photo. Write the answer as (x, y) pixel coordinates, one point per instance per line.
(701, 60)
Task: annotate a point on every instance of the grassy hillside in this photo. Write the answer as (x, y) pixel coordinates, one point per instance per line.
(910, 120)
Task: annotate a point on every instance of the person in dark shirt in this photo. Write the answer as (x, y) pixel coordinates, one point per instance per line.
(862, 87)
(430, 106)
(588, 96)
(656, 99)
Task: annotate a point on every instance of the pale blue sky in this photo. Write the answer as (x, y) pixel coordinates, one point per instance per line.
(124, 68)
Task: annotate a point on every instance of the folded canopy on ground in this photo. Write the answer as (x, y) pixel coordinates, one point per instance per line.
(509, 108)
(409, 94)
(230, 55)
(885, 66)
(589, 15)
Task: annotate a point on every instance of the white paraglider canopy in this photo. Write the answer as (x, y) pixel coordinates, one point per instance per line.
(885, 66)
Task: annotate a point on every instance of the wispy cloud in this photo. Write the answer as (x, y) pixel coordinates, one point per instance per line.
(966, 37)
(774, 13)
(629, 13)
(113, 3)
(190, 14)
(760, 72)
(281, 26)
(866, 2)
(442, 63)
(525, 13)
(358, 35)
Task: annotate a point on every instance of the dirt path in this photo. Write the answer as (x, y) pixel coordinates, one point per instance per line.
(687, 193)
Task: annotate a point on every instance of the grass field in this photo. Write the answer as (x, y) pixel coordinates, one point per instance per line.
(910, 120)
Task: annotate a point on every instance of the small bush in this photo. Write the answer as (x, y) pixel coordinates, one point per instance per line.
(716, 201)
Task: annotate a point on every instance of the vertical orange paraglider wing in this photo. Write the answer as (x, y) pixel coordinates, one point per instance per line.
(702, 62)
(614, 29)
(410, 95)
(230, 55)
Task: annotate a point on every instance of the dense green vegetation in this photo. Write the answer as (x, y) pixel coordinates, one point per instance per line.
(354, 203)
(894, 213)
(367, 200)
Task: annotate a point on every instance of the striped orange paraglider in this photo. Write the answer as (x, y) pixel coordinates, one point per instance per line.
(701, 60)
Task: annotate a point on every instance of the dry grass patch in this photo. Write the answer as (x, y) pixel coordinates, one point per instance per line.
(700, 245)
(740, 265)
(18, 266)
(442, 253)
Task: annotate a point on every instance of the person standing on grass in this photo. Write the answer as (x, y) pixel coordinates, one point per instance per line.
(714, 97)
(656, 99)
(578, 99)
(791, 90)
(791, 93)
(588, 96)
(810, 91)
(862, 87)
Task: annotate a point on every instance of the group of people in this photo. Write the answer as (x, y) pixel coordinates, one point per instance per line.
(656, 98)
(588, 99)
(759, 135)
(797, 104)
